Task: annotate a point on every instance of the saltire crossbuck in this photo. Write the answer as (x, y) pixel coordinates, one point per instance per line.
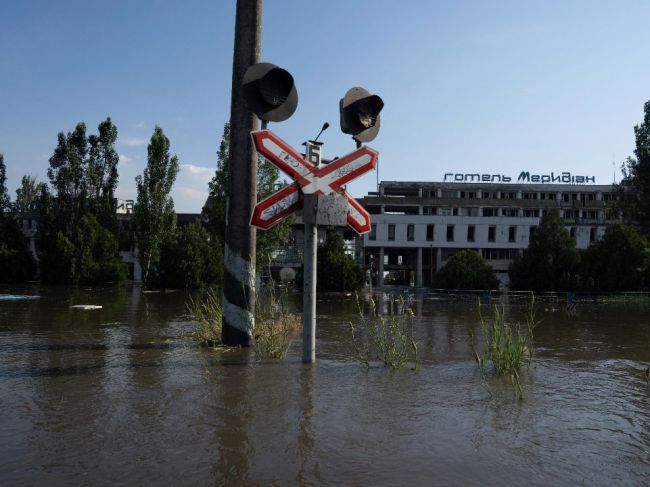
(309, 179)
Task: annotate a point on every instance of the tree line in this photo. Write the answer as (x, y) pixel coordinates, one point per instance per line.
(80, 236)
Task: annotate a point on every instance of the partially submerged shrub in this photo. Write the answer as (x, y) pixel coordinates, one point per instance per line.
(506, 346)
(388, 338)
(207, 313)
(275, 326)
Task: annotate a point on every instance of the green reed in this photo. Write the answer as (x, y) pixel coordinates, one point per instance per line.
(506, 346)
(388, 338)
(206, 312)
(275, 326)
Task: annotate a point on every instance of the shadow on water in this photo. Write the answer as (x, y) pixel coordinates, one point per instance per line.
(117, 395)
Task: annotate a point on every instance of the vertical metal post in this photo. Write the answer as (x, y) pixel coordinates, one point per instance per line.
(313, 155)
(309, 295)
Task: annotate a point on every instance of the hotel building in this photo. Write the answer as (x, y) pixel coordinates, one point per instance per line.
(417, 226)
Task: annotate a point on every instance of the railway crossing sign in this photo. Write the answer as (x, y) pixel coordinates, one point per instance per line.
(310, 179)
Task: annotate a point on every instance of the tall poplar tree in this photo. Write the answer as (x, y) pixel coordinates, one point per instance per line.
(154, 209)
(102, 176)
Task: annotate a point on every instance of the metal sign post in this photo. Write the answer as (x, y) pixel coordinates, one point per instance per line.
(324, 202)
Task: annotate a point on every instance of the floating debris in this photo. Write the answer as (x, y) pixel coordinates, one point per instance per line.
(85, 306)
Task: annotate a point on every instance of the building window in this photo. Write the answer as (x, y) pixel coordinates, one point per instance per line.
(489, 212)
(385, 259)
(399, 260)
(430, 233)
(512, 234)
(592, 234)
(492, 231)
(391, 232)
(373, 232)
(410, 232)
(531, 233)
(572, 232)
(470, 233)
(509, 211)
(450, 233)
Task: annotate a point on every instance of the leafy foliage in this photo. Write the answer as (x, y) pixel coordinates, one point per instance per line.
(337, 271)
(28, 192)
(189, 259)
(215, 210)
(617, 261)
(90, 256)
(466, 270)
(634, 190)
(551, 261)
(154, 209)
(16, 261)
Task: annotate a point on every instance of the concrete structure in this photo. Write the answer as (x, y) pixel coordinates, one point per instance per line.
(417, 226)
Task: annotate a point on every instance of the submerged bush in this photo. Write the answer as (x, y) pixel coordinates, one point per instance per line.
(506, 346)
(388, 338)
(275, 326)
(207, 313)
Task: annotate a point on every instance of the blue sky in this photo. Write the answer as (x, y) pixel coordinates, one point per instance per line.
(468, 86)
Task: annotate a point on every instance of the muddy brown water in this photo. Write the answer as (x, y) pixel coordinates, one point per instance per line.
(118, 396)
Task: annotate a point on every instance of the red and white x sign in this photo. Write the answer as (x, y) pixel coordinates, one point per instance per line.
(310, 180)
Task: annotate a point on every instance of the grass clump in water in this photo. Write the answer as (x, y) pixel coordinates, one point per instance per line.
(207, 312)
(388, 338)
(506, 346)
(275, 326)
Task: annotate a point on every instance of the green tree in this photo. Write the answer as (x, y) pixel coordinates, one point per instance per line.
(189, 259)
(466, 270)
(337, 271)
(4, 195)
(154, 209)
(67, 174)
(102, 175)
(89, 256)
(634, 190)
(551, 260)
(215, 209)
(28, 192)
(16, 261)
(616, 262)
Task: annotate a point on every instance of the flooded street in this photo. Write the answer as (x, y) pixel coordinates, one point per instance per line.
(118, 396)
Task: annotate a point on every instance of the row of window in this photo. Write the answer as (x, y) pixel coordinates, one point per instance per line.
(410, 232)
(507, 212)
(511, 195)
(471, 230)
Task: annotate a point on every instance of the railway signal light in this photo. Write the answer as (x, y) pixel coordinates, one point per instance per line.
(270, 92)
(360, 114)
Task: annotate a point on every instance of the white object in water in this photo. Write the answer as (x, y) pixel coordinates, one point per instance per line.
(85, 306)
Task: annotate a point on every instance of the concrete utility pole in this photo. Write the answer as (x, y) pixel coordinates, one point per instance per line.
(239, 251)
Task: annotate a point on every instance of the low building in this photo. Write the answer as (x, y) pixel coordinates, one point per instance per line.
(417, 226)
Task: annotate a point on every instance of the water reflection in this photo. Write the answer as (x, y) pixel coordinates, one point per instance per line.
(118, 396)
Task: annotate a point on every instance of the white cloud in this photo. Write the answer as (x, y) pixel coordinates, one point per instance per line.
(139, 125)
(133, 142)
(125, 159)
(205, 172)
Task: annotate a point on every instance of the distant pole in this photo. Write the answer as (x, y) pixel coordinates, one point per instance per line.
(239, 251)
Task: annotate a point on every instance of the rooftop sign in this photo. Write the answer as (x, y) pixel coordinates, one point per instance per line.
(524, 177)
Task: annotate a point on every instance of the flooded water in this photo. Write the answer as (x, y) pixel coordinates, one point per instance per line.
(118, 396)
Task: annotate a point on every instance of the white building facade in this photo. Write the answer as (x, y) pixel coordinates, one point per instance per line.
(417, 226)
